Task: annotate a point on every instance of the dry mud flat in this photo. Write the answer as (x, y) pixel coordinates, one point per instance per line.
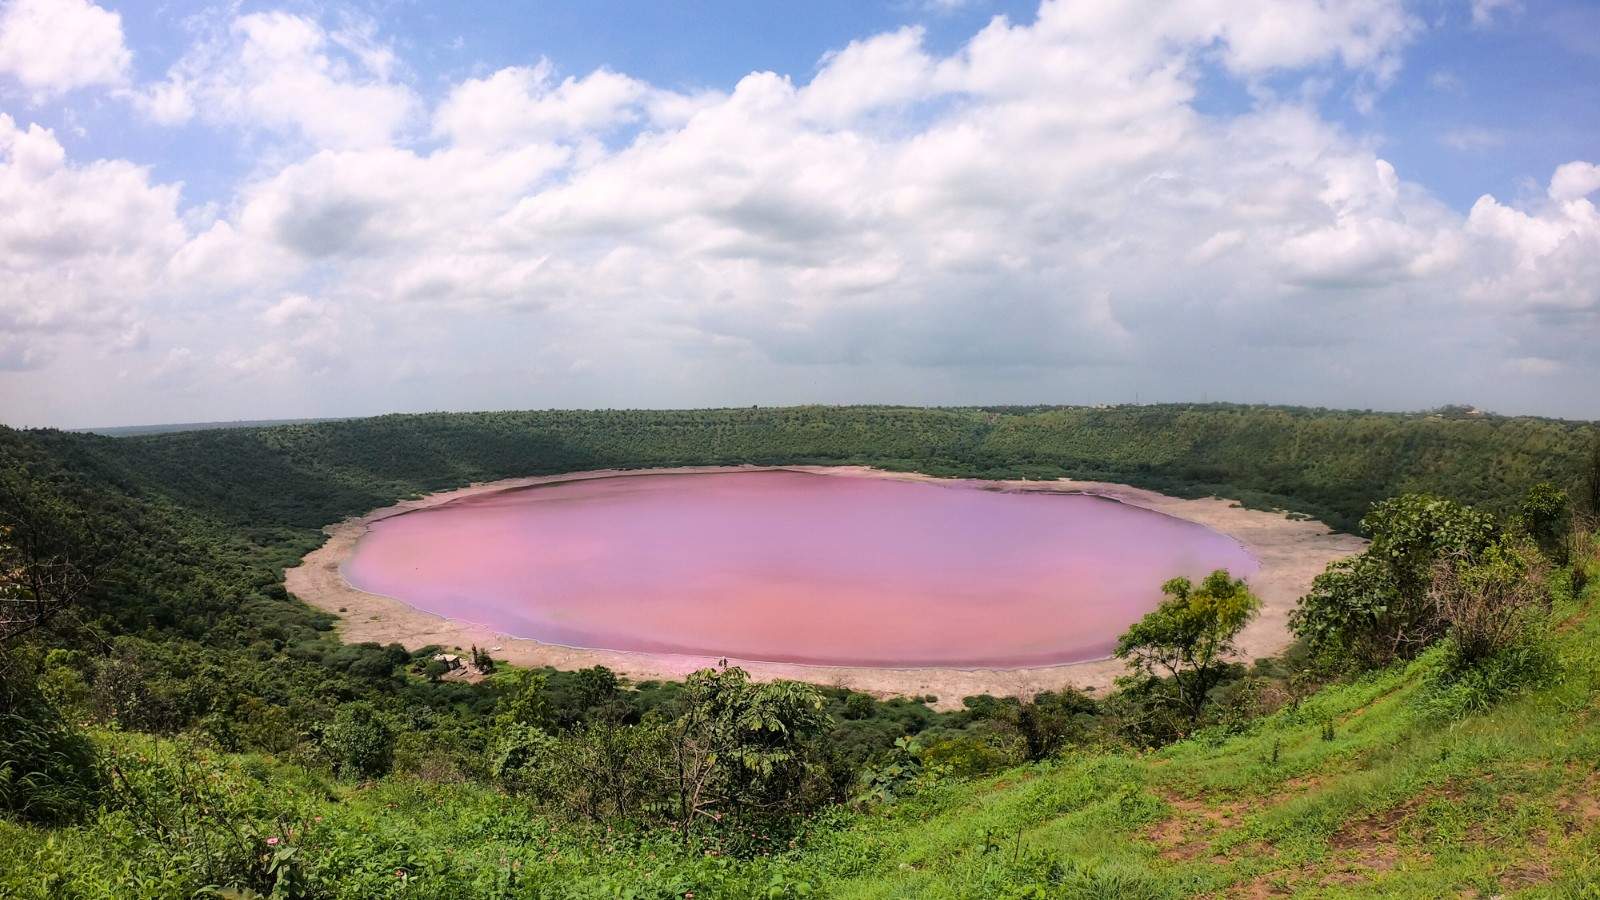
(1291, 552)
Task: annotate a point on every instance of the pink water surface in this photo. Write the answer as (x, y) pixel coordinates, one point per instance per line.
(793, 567)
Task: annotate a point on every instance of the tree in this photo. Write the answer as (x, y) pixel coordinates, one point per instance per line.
(1545, 515)
(522, 759)
(1052, 720)
(1413, 531)
(1346, 618)
(740, 747)
(44, 566)
(360, 742)
(482, 661)
(524, 702)
(1190, 635)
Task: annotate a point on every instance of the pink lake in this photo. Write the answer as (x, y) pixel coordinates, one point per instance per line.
(794, 567)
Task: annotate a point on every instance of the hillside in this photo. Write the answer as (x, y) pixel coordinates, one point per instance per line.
(1411, 797)
(1324, 463)
(1415, 793)
(186, 723)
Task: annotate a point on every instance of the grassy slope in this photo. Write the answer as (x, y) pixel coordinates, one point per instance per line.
(1397, 804)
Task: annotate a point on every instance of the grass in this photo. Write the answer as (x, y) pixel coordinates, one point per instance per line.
(1397, 804)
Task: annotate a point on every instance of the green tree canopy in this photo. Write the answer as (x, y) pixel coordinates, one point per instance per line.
(1190, 635)
(360, 742)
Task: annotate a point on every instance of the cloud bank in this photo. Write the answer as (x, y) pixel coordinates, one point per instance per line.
(1043, 214)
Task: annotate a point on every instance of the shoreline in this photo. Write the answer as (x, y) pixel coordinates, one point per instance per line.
(1290, 552)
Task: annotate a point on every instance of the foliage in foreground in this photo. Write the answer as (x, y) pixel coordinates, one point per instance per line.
(1401, 782)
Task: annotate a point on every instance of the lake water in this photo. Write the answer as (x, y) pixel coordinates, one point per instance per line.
(793, 567)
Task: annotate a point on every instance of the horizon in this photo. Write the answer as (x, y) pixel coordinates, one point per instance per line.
(288, 210)
(1467, 409)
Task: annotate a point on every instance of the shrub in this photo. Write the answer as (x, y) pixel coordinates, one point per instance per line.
(49, 772)
(177, 815)
(524, 759)
(1460, 687)
(359, 742)
(1054, 720)
(1489, 601)
(964, 755)
(742, 748)
(1370, 609)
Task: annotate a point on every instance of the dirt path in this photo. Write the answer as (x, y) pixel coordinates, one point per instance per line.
(1291, 553)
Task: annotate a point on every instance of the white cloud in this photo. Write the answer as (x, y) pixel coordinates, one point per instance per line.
(57, 45)
(286, 73)
(81, 246)
(870, 74)
(294, 308)
(524, 103)
(1547, 257)
(1484, 12)
(1574, 180)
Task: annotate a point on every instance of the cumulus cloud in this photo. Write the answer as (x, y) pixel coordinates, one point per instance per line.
(524, 104)
(80, 245)
(286, 73)
(1547, 257)
(57, 45)
(1574, 180)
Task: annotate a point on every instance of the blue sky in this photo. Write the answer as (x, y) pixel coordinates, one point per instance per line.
(1348, 202)
(1477, 108)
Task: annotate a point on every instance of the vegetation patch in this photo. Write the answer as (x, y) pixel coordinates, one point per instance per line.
(175, 725)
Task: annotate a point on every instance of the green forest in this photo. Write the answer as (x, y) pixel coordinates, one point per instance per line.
(174, 724)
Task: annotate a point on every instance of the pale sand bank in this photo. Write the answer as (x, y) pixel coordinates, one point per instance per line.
(1291, 553)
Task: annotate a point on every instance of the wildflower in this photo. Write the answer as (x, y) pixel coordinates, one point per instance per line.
(272, 842)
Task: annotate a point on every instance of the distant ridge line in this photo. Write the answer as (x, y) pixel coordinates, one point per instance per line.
(131, 430)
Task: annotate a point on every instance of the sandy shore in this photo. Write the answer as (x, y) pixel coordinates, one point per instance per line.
(1291, 553)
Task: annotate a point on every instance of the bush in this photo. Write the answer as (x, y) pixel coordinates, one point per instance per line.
(1461, 687)
(1368, 610)
(49, 772)
(179, 818)
(359, 743)
(964, 755)
(524, 759)
(1490, 603)
(1545, 515)
(1054, 720)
